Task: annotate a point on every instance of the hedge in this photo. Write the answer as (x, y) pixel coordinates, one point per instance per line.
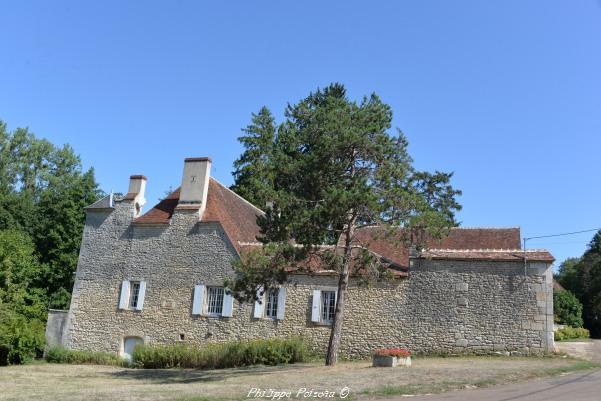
(219, 356)
(568, 333)
(211, 356)
(80, 357)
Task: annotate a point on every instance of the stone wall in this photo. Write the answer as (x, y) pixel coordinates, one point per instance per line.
(448, 306)
(55, 328)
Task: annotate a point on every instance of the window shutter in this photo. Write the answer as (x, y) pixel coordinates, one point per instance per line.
(123, 300)
(259, 306)
(198, 297)
(281, 303)
(315, 315)
(141, 294)
(228, 305)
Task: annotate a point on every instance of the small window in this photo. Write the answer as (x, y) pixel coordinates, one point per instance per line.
(328, 306)
(271, 307)
(215, 301)
(134, 294)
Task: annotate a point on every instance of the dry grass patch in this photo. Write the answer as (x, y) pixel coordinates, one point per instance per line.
(79, 382)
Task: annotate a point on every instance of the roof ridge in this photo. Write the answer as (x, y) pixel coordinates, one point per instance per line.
(461, 228)
(241, 198)
(465, 250)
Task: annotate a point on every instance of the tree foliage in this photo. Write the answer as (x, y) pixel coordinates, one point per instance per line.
(23, 304)
(43, 190)
(567, 308)
(582, 276)
(253, 174)
(567, 275)
(332, 168)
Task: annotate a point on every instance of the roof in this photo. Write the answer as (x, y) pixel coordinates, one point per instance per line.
(237, 216)
(105, 203)
(312, 264)
(535, 255)
(458, 238)
(557, 286)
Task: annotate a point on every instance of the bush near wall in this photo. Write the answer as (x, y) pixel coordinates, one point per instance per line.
(79, 357)
(219, 356)
(569, 333)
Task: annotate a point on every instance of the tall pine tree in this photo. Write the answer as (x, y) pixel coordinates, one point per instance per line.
(335, 169)
(253, 172)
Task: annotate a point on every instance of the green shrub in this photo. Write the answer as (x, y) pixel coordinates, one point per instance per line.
(21, 339)
(219, 356)
(568, 333)
(79, 357)
(567, 308)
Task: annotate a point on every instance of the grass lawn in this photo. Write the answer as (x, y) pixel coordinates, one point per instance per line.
(427, 375)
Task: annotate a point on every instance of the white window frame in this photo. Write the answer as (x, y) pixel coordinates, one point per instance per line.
(317, 308)
(271, 299)
(134, 295)
(219, 298)
(270, 304)
(331, 307)
(130, 290)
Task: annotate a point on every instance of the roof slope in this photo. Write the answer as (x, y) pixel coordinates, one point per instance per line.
(237, 216)
(458, 238)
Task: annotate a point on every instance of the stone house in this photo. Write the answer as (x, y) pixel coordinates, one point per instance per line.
(157, 277)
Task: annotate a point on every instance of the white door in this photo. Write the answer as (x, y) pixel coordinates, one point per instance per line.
(129, 343)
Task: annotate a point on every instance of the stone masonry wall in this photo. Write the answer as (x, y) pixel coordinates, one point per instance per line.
(449, 306)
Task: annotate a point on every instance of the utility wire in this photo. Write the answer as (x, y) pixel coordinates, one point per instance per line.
(562, 234)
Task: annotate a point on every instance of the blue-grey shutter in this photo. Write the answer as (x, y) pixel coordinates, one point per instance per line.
(281, 303)
(315, 310)
(259, 304)
(124, 298)
(198, 298)
(228, 305)
(141, 295)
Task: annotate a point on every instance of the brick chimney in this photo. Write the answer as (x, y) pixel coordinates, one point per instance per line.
(135, 192)
(195, 183)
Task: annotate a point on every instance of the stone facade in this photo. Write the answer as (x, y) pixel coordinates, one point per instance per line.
(442, 306)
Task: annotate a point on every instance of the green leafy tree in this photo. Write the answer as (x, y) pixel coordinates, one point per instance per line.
(567, 275)
(338, 169)
(589, 280)
(254, 172)
(567, 308)
(22, 304)
(43, 190)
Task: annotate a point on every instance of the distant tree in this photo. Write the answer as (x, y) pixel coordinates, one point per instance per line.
(253, 174)
(339, 169)
(43, 190)
(20, 272)
(23, 306)
(567, 308)
(589, 279)
(567, 275)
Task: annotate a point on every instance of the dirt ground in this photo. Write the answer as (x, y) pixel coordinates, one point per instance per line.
(589, 350)
(86, 382)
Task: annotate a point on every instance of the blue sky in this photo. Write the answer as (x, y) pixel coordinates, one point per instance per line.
(506, 94)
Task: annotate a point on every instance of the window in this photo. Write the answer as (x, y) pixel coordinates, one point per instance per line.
(271, 307)
(328, 306)
(214, 300)
(134, 294)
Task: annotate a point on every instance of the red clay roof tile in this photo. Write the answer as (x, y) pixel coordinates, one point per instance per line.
(236, 215)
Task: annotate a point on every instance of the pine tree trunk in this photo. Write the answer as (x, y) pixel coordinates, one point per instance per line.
(336, 333)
